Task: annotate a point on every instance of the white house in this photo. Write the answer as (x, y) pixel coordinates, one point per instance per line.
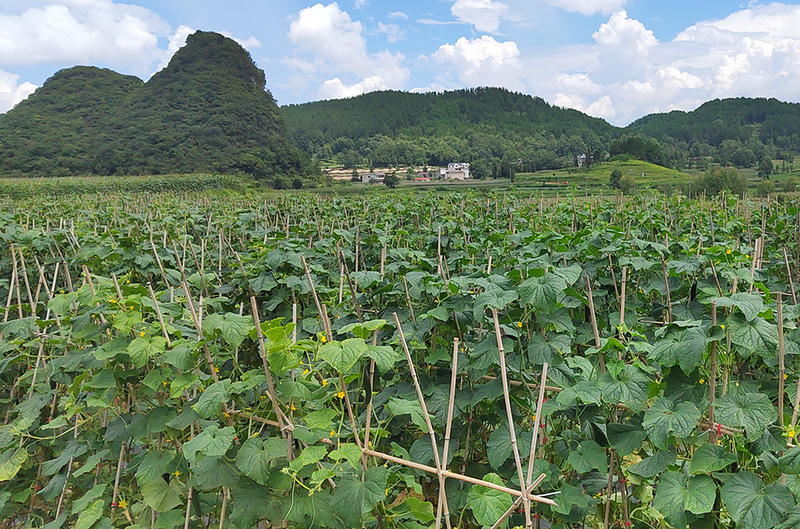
(455, 171)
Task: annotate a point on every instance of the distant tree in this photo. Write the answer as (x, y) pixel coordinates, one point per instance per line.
(717, 179)
(627, 184)
(765, 187)
(765, 168)
(391, 180)
(616, 177)
(354, 175)
(790, 185)
(598, 156)
(297, 183)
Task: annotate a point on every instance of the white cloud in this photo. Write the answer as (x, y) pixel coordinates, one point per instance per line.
(11, 92)
(361, 3)
(602, 108)
(483, 61)
(249, 44)
(393, 32)
(82, 31)
(754, 52)
(329, 42)
(398, 14)
(483, 14)
(589, 7)
(176, 41)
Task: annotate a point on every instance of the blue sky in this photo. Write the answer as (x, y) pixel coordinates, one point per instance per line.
(615, 59)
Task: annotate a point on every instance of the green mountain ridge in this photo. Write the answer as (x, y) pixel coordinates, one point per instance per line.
(206, 111)
(495, 129)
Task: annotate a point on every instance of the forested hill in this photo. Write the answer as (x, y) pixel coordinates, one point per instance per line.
(481, 125)
(736, 131)
(206, 111)
(498, 130)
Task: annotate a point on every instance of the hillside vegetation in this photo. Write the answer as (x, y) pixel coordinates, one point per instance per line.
(499, 131)
(206, 111)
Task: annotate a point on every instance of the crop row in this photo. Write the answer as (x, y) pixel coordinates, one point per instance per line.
(287, 360)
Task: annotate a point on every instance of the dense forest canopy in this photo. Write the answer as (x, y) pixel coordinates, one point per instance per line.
(206, 111)
(494, 128)
(485, 126)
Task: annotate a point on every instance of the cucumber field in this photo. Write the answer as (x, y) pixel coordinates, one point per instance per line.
(236, 358)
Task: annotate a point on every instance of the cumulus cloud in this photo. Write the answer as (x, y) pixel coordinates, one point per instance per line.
(398, 14)
(360, 3)
(483, 14)
(82, 31)
(753, 52)
(483, 61)
(328, 42)
(589, 7)
(11, 92)
(393, 32)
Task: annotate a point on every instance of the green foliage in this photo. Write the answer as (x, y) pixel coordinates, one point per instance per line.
(615, 179)
(90, 121)
(640, 148)
(717, 179)
(187, 387)
(764, 188)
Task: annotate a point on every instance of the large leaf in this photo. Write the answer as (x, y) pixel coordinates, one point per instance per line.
(10, 462)
(548, 349)
(90, 515)
(384, 356)
(625, 437)
(751, 411)
(630, 387)
(488, 505)
(665, 418)
(790, 461)
(212, 442)
(655, 464)
(542, 292)
(588, 456)
(570, 497)
(499, 449)
(212, 399)
(232, 327)
(751, 305)
(354, 496)
(676, 494)
(162, 495)
(397, 406)
(682, 346)
(710, 458)
(142, 349)
(255, 455)
(756, 336)
(752, 505)
(342, 356)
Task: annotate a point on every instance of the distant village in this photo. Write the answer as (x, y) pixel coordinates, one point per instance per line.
(453, 171)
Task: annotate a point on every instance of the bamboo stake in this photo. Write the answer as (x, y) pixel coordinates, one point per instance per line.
(408, 300)
(597, 343)
(712, 437)
(446, 449)
(516, 503)
(537, 421)
(119, 473)
(283, 421)
(509, 415)
(789, 276)
(158, 313)
(781, 365)
(460, 477)
(430, 432)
